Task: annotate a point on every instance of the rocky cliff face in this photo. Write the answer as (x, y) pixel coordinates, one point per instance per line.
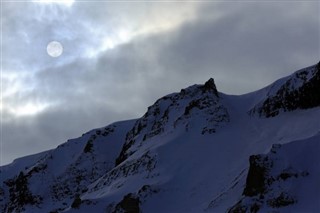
(275, 180)
(299, 91)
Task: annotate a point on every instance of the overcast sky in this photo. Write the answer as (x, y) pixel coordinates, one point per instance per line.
(120, 57)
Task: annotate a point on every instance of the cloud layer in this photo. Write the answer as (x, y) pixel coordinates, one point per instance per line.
(129, 54)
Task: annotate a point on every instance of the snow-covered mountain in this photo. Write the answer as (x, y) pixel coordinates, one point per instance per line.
(197, 150)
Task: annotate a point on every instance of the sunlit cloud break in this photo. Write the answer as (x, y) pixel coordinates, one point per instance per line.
(67, 3)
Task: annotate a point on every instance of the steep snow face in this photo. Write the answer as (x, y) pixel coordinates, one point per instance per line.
(191, 172)
(50, 180)
(298, 91)
(187, 171)
(189, 153)
(196, 108)
(286, 178)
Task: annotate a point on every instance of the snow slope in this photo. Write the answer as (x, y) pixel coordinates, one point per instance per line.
(193, 151)
(288, 174)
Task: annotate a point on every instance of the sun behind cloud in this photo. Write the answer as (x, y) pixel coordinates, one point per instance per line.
(29, 109)
(63, 2)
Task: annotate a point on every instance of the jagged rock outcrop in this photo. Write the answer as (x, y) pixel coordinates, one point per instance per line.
(20, 194)
(131, 202)
(299, 91)
(257, 175)
(272, 178)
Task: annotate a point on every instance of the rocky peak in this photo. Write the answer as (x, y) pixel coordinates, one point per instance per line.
(178, 110)
(210, 86)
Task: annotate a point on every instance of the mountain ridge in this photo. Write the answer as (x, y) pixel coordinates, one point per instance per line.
(188, 153)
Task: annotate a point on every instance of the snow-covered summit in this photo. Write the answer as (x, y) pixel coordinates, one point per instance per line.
(196, 108)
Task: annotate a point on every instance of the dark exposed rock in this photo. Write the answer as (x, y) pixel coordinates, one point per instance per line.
(88, 147)
(20, 194)
(123, 154)
(291, 96)
(266, 182)
(36, 169)
(76, 202)
(256, 178)
(129, 204)
(107, 130)
(239, 208)
(282, 200)
(210, 86)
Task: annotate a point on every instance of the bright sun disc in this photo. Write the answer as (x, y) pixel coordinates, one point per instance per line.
(54, 49)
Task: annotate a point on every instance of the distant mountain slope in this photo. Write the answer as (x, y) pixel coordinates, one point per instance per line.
(56, 176)
(193, 151)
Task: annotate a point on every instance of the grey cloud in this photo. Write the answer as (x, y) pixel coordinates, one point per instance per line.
(228, 49)
(243, 47)
(246, 48)
(29, 27)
